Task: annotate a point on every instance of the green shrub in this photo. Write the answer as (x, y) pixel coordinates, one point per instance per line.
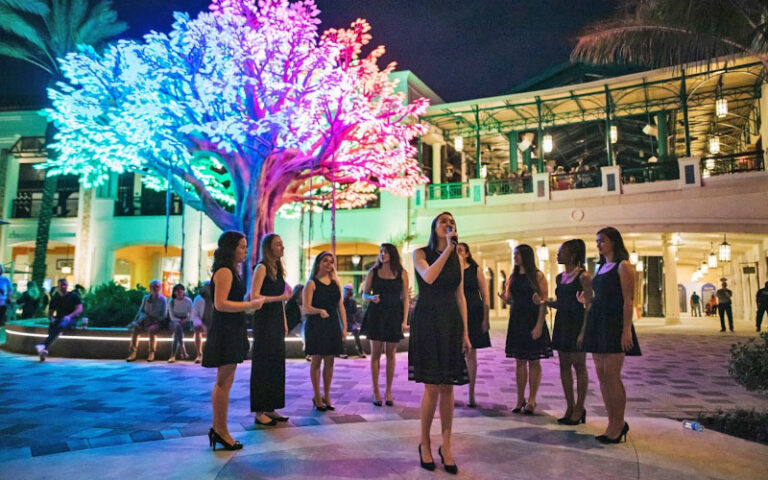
(747, 424)
(111, 305)
(748, 364)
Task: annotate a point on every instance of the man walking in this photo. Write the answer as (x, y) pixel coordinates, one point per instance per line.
(724, 296)
(695, 305)
(762, 305)
(67, 306)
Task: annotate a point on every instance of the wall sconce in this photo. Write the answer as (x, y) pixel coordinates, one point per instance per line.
(458, 143)
(614, 134)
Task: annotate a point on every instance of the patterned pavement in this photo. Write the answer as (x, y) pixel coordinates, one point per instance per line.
(72, 404)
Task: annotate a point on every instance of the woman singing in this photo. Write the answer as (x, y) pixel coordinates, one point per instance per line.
(227, 343)
(439, 337)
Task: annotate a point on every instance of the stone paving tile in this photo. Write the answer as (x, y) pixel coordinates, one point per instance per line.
(680, 373)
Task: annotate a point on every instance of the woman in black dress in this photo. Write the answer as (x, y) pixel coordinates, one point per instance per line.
(610, 335)
(326, 326)
(269, 330)
(568, 334)
(227, 343)
(386, 288)
(439, 338)
(478, 307)
(527, 335)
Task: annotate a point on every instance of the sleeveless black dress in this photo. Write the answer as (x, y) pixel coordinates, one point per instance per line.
(227, 341)
(605, 322)
(323, 335)
(570, 315)
(268, 365)
(475, 310)
(522, 319)
(384, 320)
(437, 331)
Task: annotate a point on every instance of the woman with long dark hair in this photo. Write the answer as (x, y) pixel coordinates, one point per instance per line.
(478, 308)
(570, 321)
(269, 330)
(610, 334)
(386, 288)
(227, 343)
(179, 310)
(527, 334)
(439, 338)
(326, 326)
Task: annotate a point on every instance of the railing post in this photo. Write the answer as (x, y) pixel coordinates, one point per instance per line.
(477, 190)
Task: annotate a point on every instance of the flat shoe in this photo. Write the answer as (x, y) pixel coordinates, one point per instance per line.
(270, 423)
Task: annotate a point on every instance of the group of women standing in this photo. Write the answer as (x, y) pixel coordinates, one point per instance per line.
(449, 324)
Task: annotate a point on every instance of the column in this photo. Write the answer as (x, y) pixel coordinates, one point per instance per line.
(512, 136)
(671, 301)
(83, 238)
(464, 167)
(437, 164)
(661, 141)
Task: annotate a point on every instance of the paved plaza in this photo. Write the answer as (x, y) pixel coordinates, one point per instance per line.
(72, 418)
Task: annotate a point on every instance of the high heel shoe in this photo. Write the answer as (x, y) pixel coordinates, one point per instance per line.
(328, 406)
(320, 407)
(568, 421)
(425, 465)
(519, 408)
(214, 438)
(621, 438)
(272, 421)
(453, 469)
(529, 411)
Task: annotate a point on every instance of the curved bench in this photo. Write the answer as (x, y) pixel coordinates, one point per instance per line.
(112, 343)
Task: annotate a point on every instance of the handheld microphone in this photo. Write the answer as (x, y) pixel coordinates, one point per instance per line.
(454, 240)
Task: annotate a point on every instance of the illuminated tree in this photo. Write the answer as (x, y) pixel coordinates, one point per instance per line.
(239, 112)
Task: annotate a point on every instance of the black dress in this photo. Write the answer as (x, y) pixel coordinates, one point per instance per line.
(522, 318)
(227, 341)
(268, 365)
(570, 315)
(384, 320)
(605, 322)
(435, 345)
(323, 335)
(475, 310)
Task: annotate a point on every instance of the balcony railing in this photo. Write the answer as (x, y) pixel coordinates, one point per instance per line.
(27, 207)
(508, 187)
(650, 172)
(447, 191)
(137, 205)
(575, 180)
(728, 164)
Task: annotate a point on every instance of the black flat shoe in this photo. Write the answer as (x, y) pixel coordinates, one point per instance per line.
(452, 469)
(377, 403)
(214, 438)
(472, 405)
(621, 438)
(277, 417)
(319, 408)
(425, 465)
(270, 423)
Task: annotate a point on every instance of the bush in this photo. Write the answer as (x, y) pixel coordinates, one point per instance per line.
(747, 424)
(111, 305)
(748, 364)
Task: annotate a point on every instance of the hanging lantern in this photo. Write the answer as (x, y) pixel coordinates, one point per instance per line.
(714, 144)
(614, 134)
(721, 107)
(704, 268)
(639, 266)
(546, 143)
(458, 143)
(633, 257)
(712, 260)
(356, 260)
(725, 251)
(543, 252)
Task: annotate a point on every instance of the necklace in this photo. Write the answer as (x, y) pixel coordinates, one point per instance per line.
(569, 276)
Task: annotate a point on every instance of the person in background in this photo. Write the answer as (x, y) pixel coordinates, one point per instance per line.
(67, 306)
(148, 319)
(695, 305)
(30, 300)
(353, 318)
(762, 305)
(293, 310)
(202, 309)
(6, 289)
(179, 310)
(724, 295)
(711, 307)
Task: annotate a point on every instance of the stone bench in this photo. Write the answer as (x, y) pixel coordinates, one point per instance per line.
(112, 343)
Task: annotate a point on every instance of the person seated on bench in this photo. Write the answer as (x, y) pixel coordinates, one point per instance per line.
(67, 306)
(150, 319)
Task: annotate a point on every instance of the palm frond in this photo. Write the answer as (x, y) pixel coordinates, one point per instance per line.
(20, 51)
(76, 13)
(61, 41)
(100, 26)
(18, 26)
(35, 7)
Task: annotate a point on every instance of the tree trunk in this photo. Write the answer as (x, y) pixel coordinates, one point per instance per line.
(46, 213)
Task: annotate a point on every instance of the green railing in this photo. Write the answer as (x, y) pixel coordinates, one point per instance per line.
(651, 172)
(447, 191)
(736, 163)
(508, 187)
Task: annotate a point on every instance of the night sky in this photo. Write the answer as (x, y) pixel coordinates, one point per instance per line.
(461, 49)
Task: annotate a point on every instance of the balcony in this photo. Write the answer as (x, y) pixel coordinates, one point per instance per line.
(730, 164)
(146, 204)
(508, 187)
(27, 206)
(576, 180)
(447, 191)
(651, 172)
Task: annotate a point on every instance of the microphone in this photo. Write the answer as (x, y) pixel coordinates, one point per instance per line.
(454, 240)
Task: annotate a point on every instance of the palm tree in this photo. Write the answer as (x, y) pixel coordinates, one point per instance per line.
(662, 33)
(39, 32)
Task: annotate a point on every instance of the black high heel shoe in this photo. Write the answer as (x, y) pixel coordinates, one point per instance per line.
(214, 438)
(319, 408)
(520, 408)
(568, 421)
(621, 438)
(529, 411)
(426, 465)
(452, 469)
(328, 406)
